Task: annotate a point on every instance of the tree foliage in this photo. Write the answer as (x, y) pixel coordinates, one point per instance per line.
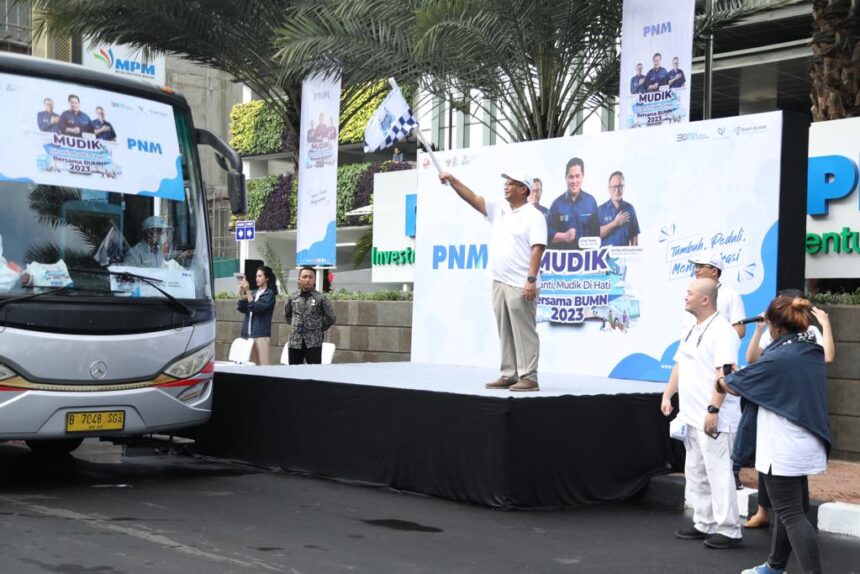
(536, 67)
(531, 65)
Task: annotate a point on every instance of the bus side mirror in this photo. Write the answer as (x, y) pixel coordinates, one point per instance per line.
(236, 192)
(231, 162)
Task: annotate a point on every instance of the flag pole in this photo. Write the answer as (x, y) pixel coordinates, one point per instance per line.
(419, 135)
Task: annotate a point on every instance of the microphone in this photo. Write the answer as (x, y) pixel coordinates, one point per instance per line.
(756, 319)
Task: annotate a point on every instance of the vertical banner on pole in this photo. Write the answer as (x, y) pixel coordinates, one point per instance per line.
(656, 55)
(317, 202)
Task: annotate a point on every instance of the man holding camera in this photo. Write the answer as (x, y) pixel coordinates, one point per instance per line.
(706, 349)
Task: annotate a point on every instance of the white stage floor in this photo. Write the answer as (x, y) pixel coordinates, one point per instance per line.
(444, 379)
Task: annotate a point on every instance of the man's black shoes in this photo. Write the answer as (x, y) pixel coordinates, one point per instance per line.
(721, 542)
(690, 534)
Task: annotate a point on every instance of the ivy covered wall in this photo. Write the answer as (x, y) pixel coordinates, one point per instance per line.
(256, 128)
(273, 200)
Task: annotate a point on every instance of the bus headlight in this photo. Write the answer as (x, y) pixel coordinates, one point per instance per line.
(6, 372)
(190, 365)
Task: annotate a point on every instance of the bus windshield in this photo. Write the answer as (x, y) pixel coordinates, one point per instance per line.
(98, 189)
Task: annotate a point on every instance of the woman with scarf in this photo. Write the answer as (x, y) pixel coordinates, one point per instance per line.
(257, 306)
(822, 334)
(784, 426)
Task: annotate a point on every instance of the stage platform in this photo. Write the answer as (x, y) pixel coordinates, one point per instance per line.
(436, 430)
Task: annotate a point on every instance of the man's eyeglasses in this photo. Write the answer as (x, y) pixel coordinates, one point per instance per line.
(618, 187)
(702, 266)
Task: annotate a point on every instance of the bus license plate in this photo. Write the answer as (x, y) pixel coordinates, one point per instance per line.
(95, 421)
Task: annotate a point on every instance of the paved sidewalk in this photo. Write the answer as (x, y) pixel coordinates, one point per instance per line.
(841, 482)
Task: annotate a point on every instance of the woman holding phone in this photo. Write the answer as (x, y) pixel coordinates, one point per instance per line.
(785, 423)
(257, 306)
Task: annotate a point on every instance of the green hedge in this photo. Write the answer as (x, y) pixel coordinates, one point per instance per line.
(259, 191)
(829, 298)
(348, 178)
(256, 128)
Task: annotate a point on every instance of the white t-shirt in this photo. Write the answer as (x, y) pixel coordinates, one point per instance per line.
(513, 233)
(704, 347)
(729, 304)
(786, 449)
(813, 331)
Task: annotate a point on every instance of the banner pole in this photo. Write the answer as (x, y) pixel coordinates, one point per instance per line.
(708, 84)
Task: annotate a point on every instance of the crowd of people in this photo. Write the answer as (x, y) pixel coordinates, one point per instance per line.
(770, 415)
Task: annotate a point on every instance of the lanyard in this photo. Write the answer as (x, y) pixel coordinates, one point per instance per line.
(702, 334)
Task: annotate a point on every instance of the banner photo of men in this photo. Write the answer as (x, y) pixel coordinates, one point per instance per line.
(317, 201)
(67, 135)
(627, 214)
(656, 55)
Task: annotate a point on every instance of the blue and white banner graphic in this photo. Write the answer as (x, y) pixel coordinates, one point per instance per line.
(392, 121)
(626, 211)
(656, 60)
(317, 216)
(63, 134)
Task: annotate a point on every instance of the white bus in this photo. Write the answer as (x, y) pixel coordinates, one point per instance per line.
(107, 320)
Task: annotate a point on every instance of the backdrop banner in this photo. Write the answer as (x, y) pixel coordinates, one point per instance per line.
(317, 201)
(656, 56)
(612, 306)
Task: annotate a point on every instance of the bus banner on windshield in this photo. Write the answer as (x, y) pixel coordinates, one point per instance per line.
(61, 134)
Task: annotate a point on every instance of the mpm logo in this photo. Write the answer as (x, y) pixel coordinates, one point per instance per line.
(128, 66)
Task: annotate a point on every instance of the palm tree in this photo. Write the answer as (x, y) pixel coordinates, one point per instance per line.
(835, 56)
(532, 65)
(542, 66)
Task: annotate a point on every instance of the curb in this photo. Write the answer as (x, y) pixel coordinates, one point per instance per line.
(831, 517)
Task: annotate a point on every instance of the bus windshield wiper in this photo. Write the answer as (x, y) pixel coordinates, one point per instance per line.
(151, 281)
(5, 302)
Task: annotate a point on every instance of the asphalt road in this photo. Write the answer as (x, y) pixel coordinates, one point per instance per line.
(100, 512)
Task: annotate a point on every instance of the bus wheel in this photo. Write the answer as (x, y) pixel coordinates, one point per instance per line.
(54, 447)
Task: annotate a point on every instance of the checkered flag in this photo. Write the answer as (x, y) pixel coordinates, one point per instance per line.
(392, 121)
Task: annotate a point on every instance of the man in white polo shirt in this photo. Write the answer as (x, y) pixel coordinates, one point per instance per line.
(517, 243)
(729, 302)
(711, 418)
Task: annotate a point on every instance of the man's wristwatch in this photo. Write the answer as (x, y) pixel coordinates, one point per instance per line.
(531, 278)
(713, 410)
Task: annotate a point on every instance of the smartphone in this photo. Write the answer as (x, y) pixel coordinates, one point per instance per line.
(239, 277)
(727, 370)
